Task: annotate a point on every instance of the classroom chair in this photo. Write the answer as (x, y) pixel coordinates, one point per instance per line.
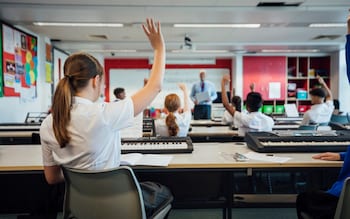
(343, 210)
(342, 119)
(307, 127)
(107, 194)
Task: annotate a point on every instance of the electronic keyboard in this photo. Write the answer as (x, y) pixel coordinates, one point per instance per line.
(157, 145)
(298, 141)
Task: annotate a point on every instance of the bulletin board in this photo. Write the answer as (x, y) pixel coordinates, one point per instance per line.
(19, 63)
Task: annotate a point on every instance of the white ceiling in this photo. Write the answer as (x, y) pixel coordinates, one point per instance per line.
(282, 27)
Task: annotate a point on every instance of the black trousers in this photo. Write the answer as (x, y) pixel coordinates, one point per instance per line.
(155, 197)
(316, 204)
(202, 112)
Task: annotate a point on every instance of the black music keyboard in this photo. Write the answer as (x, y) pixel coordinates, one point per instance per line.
(157, 145)
(298, 141)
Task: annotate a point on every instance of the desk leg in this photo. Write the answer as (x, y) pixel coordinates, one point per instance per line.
(229, 196)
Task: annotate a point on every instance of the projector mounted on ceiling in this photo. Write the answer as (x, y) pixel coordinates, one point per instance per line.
(188, 45)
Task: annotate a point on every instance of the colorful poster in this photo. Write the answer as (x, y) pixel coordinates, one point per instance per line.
(19, 61)
(1, 84)
(48, 64)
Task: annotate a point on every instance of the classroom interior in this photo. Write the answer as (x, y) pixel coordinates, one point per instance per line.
(279, 46)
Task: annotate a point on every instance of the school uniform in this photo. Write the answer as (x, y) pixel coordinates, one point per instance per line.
(318, 113)
(95, 138)
(252, 122)
(183, 121)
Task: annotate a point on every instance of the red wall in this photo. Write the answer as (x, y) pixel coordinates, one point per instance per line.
(261, 71)
(112, 63)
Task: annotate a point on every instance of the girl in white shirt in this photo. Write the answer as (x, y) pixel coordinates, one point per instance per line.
(175, 123)
(82, 132)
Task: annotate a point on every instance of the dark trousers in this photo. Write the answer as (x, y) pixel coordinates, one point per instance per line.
(316, 204)
(155, 197)
(202, 112)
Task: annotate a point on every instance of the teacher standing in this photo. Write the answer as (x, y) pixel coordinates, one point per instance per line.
(203, 88)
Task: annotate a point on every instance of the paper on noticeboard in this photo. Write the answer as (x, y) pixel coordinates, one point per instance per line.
(274, 90)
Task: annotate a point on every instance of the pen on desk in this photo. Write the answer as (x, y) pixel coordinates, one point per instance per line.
(269, 155)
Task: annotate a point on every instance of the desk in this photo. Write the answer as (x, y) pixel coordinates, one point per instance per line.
(206, 158)
(207, 122)
(19, 127)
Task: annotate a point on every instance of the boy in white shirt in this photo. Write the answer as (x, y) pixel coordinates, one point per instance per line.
(322, 108)
(253, 120)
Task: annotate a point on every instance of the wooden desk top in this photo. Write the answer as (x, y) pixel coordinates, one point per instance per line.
(204, 156)
(206, 122)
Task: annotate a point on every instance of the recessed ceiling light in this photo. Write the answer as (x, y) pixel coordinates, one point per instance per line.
(69, 24)
(199, 51)
(219, 25)
(289, 50)
(328, 25)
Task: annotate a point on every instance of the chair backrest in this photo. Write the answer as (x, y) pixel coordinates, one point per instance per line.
(343, 210)
(307, 127)
(113, 193)
(342, 119)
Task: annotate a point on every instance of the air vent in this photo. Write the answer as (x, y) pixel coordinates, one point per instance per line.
(328, 37)
(278, 4)
(98, 37)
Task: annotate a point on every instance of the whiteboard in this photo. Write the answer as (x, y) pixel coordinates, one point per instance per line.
(132, 81)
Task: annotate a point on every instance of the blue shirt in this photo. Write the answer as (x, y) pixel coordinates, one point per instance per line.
(208, 87)
(344, 173)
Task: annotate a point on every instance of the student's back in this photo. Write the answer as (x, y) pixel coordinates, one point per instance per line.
(175, 123)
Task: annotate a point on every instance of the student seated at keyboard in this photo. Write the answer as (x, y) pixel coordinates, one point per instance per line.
(252, 120)
(236, 102)
(83, 132)
(322, 108)
(175, 123)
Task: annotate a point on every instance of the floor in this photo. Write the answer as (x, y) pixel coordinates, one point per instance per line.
(238, 213)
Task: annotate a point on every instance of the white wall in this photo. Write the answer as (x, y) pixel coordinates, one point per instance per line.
(132, 81)
(12, 109)
(343, 82)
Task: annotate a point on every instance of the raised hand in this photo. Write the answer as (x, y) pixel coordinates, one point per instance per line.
(320, 80)
(154, 34)
(182, 86)
(226, 79)
(252, 87)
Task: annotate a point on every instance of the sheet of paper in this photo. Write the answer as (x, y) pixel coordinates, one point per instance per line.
(291, 110)
(274, 90)
(202, 96)
(265, 157)
(133, 159)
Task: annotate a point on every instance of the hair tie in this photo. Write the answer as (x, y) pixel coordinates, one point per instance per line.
(68, 76)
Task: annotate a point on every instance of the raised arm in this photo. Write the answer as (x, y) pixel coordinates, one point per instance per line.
(323, 83)
(155, 82)
(184, 89)
(225, 81)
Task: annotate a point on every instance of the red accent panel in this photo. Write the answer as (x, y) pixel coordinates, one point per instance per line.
(143, 64)
(261, 70)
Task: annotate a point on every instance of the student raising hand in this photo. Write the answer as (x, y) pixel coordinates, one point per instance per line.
(153, 32)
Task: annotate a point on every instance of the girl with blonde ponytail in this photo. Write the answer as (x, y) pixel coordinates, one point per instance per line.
(175, 123)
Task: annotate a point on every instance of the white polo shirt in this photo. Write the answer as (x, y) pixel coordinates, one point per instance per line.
(252, 122)
(94, 130)
(183, 120)
(319, 113)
